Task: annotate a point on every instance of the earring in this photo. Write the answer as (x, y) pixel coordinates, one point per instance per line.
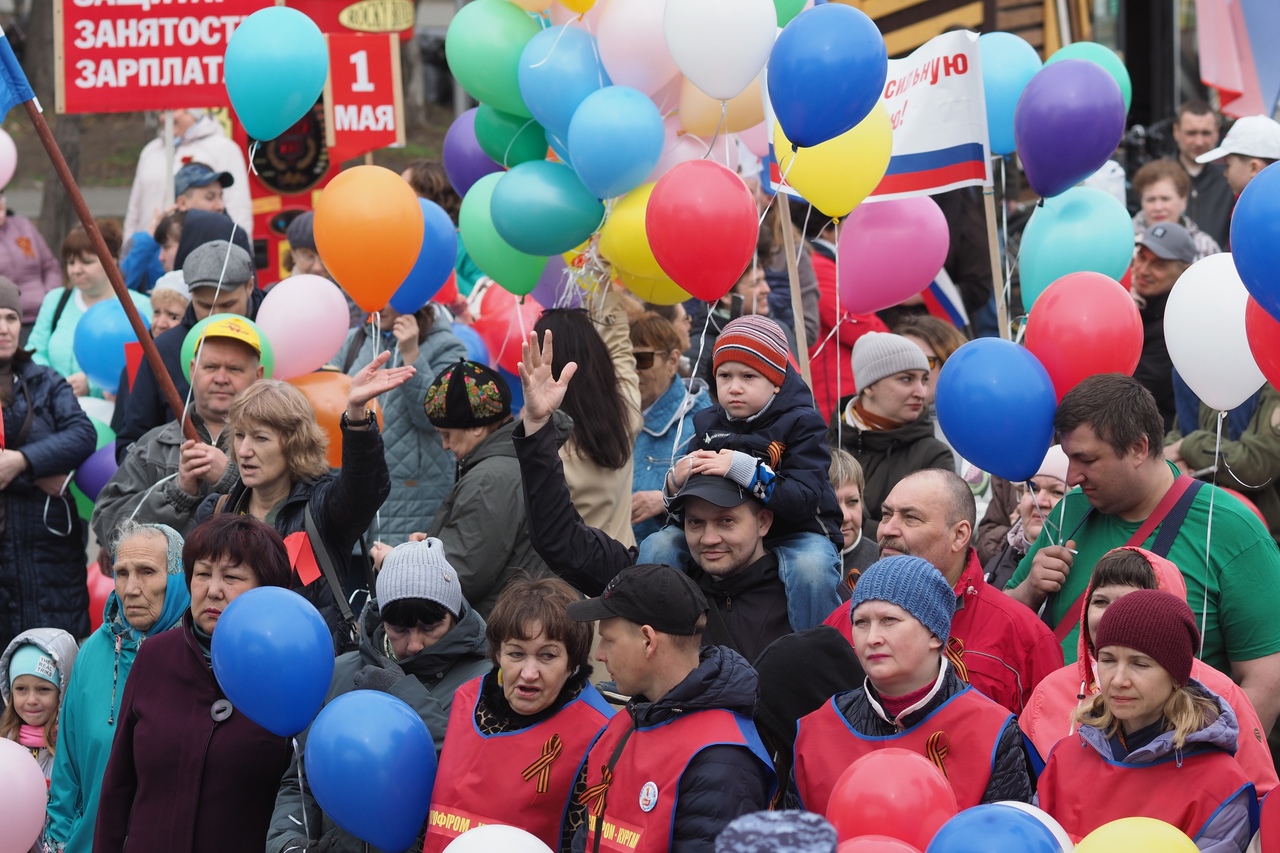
(499, 678)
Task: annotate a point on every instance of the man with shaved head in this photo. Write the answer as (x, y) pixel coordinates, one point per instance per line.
(999, 645)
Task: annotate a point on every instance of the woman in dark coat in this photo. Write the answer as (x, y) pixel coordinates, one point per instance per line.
(187, 771)
(45, 436)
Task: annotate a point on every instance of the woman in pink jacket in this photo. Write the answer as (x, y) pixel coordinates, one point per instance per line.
(1048, 716)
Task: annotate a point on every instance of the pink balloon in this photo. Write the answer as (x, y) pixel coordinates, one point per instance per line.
(677, 147)
(667, 99)
(633, 46)
(889, 251)
(25, 797)
(306, 319)
(8, 159)
(756, 139)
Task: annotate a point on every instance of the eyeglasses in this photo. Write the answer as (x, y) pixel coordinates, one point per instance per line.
(644, 359)
(934, 362)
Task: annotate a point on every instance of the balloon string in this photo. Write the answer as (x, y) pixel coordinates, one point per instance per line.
(186, 407)
(840, 315)
(253, 151)
(1208, 535)
(556, 44)
(1004, 231)
(507, 153)
(782, 182)
(297, 755)
(702, 344)
(724, 111)
(803, 231)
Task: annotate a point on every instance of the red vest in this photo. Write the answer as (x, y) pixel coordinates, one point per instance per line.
(1082, 790)
(636, 800)
(523, 778)
(961, 735)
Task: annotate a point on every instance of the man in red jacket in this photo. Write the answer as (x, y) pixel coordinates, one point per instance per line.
(1005, 650)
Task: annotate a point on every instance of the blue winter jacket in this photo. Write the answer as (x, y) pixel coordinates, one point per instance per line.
(653, 453)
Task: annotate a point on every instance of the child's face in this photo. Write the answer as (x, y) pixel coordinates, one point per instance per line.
(168, 253)
(741, 390)
(203, 198)
(35, 699)
(850, 499)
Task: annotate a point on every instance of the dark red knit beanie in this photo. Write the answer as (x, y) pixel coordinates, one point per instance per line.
(1153, 622)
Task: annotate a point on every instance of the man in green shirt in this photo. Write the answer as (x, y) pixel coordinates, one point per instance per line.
(1112, 433)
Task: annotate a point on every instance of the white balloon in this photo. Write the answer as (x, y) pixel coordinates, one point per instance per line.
(1204, 333)
(497, 838)
(1049, 823)
(720, 45)
(99, 410)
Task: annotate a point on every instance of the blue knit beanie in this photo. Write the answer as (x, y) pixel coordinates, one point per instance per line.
(914, 585)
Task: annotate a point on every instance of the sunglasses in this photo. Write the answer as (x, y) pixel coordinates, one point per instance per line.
(934, 362)
(644, 360)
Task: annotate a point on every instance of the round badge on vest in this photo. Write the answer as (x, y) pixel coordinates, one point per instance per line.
(648, 797)
(220, 711)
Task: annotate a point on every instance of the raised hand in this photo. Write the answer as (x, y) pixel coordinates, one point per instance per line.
(543, 394)
(371, 381)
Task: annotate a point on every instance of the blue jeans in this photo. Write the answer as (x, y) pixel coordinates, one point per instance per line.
(808, 565)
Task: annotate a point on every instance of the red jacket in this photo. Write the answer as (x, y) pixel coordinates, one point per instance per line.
(836, 356)
(1006, 650)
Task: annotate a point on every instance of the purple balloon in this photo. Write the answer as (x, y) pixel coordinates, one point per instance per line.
(94, 472)
(1069, 121)
(553, 289)
(464, 161)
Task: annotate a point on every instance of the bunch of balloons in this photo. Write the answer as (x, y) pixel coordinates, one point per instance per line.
(1255, 231)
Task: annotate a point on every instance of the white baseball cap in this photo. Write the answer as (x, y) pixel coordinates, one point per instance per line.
(1251, 136)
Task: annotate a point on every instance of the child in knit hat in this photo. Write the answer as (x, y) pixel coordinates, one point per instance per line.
(34, 671)
(765, 435)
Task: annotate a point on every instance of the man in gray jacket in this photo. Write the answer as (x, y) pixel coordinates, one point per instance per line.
(165, 476)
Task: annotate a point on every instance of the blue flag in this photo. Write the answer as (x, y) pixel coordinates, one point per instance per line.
(14, 88)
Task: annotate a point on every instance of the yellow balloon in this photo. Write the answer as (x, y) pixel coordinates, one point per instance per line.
(700, 114)
(836, 175)
(657, 291)
(1136, 833)
(578, 6)
(623, 241)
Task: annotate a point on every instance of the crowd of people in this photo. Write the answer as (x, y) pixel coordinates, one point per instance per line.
(664, 584)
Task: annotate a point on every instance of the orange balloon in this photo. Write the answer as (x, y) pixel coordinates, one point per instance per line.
(368, 230)
(700, 114)
(327, 392)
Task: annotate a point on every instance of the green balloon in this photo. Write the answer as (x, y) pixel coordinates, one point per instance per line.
(105, 434)
(509, 140)
(787, 9)
(84, 506)
(268, 359)
(483, 47)
(513, 269)
(1099, 54)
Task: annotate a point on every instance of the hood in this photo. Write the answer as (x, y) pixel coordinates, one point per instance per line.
(54, 642)
(466, 639)
(205, 226)
(683, 397)
(1222, 733)
(204, 127)
(723, 679)
(1168, 578)
(497, 443)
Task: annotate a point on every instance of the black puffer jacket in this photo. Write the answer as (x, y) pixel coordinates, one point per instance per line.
(342, 504)
(887, 456)
(1011, 779)
(721, 782)
(42, 573)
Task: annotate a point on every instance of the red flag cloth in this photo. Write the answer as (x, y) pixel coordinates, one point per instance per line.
(302, 557)
(132, 360)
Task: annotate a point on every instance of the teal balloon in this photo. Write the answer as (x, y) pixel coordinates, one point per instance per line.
(516, 271)
(1008, 64)
(1082, 230)
(509, 140)
(275, 69)
(1099, 55)
(542, 208)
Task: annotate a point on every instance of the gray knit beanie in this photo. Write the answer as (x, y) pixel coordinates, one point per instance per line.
(420, 570)
(914, 585)
(879, 354)
(10, 296)
(301, 232)
(777, 832)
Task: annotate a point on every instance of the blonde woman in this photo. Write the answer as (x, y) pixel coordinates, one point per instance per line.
(1153, 742)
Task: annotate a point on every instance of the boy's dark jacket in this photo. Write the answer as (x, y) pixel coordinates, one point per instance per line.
(788, 439)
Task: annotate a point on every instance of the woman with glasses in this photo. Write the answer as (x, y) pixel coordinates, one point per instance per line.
(46, 436)
(669, 403)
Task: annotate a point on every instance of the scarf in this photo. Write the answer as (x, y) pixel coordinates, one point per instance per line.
(876, 422)
(895, 705)
(32, 736)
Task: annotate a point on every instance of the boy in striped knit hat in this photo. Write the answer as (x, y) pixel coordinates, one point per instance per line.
(765, 435)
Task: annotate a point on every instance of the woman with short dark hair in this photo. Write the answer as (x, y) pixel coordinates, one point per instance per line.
(187, 770)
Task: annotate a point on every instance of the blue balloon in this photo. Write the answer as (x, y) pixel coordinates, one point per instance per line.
(993, 828)
(541, 208)
(1008, 64)
(1255, 238)
(99, 342)
(1083, 230)
(371, 765)
(435, 260)
(275, 69)
(477, 349)
(517, 390)
(826, 72)
(995, 405)
(616, 139)
(560, 66)
(273, 656)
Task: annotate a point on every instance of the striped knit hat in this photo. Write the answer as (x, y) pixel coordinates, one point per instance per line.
(757, 342)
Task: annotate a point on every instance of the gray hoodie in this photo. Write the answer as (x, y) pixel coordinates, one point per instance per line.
(60, 646)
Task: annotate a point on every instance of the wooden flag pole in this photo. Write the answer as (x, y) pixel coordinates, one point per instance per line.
(997, 263)
(108, 263)
(782, 208)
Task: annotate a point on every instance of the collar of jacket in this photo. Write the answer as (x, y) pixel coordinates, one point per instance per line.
(897, 722)
(678, 400)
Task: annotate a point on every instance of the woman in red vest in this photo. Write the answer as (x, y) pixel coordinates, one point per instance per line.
(518, 736)
(915, 697)
(1153, 743)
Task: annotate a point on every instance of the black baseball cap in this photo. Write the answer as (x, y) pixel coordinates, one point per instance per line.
(712, 488)
(651, 594)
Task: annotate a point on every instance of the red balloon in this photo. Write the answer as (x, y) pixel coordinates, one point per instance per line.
(702, 226)
(1084, 324)
(100, 589)
(505, 322)
(448, 294)
(876, 844)
(1263, 332)
(894, 792)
